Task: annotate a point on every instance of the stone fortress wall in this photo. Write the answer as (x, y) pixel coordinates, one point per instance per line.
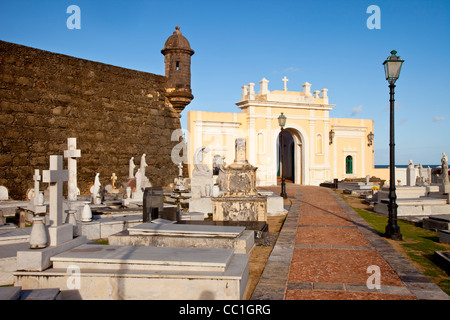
(114, 113)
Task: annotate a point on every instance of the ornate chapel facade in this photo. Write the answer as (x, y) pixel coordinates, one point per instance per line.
(316, 148)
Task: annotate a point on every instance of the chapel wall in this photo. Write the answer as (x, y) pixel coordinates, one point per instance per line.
(114, 113)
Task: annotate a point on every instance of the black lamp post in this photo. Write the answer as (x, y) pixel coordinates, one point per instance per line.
(282, 123)
(392, 67)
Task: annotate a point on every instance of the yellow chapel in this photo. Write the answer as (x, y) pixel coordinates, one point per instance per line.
(316, 148)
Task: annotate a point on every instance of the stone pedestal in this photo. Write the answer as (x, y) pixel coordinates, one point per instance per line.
(204, 205)
(240, 208)
(239, 180)
(239, 201)
(410, 175)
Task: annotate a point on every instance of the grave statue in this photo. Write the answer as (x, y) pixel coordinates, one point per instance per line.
(95, 190)
(138, 180)
(420, 180)
(180, 182)
(218, 162)
(201, 169)
(131, 169)
(143, 165)
(180, 169)
(202, 183)
(113, 180)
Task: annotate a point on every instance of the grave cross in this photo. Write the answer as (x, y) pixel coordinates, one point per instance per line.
(55, 177)
(285, 80)
(113, 180)
(36, 178)
(72, 153)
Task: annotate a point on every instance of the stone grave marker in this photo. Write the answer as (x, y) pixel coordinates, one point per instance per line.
(410, 174)
(4, 193)
(60, 235)
(72, 153)
(153, 203)
(56, 177)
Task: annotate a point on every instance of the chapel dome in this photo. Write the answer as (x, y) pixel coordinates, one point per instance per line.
(177, 41)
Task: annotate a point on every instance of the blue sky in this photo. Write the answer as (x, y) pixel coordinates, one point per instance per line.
(326, 43)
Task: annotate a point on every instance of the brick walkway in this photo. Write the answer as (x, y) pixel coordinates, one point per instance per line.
(324, 251)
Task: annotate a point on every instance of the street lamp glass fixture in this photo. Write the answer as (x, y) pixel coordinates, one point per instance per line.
(282, 120)
(392, 67)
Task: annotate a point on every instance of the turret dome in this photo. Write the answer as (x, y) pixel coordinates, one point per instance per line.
(177, 41)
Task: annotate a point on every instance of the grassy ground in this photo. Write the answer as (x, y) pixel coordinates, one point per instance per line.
(418, 245)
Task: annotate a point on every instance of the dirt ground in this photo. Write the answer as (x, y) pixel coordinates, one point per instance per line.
(261, 252)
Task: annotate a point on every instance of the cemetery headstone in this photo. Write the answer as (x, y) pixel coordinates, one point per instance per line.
(428, 175)
(411, 174)
(4, 193)
(37, 202)
(56, 177)
(72, 153)
(153, 203)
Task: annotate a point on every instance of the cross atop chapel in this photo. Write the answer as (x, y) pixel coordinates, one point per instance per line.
(285, 80)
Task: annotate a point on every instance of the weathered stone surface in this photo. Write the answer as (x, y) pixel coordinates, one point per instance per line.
(114, 113)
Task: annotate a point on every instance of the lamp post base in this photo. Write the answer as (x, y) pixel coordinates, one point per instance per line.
(283, 189)
(393, 232)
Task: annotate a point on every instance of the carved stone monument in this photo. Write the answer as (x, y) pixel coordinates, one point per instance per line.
(240, 201)
(202, 183)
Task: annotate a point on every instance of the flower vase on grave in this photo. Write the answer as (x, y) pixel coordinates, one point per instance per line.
(86, 213)
(208, 190)
(41, 198)
(38, 236)
(72, 220)
(215, 191)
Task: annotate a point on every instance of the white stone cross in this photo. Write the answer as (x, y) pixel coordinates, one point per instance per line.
(285, 80)
(36, 178)
(56, 177)
(72, 154)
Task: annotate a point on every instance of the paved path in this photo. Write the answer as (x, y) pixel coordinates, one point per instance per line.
(324, 251)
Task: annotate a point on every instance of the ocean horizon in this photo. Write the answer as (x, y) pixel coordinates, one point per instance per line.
(383, 166)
